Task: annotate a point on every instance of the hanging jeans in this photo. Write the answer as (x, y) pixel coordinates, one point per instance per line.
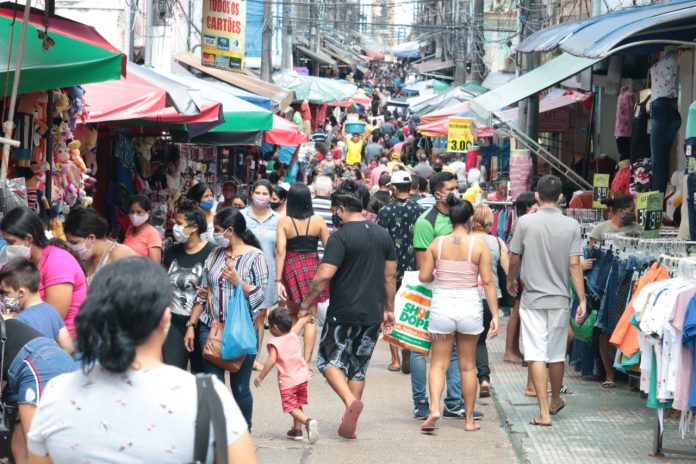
(597, 277)
(665, 121)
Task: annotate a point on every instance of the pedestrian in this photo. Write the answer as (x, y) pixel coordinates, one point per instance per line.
(377, 172)
(423, 168)
(121, 329)
(547, 248)
(360, 255)
(435, 222)
(399, 218)
(262, 221)
(141, 236)
(229, 192)
(19, 281)
(355, 146)
(279, 198)
(293, 372)
(87, 234)
(184, 262)
(63, 284)
(297, 258)
(202, 195)
(321, 204)
(374, 150)
(455, 262)
(384, 193)
(240, 201)
(237, 261)
(481, 224)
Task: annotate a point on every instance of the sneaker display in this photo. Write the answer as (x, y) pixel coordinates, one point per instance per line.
(294, 434)
(422, 410)
(458, 412)
(312, 430)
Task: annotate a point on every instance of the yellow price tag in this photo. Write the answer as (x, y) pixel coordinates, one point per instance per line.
(460, 135)
(600, 190)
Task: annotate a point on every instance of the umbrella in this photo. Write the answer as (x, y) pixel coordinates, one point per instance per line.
(315, 89)
(285, 133)
(79, 54)
(359, 99)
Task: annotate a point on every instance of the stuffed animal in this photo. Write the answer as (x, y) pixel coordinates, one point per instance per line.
(87, 135)
(61, 104)
(75, 156)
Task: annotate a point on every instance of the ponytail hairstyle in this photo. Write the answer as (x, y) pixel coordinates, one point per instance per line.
(232, 218)
(83, 222)
(460, 211)
(349, 196)
(124, 306)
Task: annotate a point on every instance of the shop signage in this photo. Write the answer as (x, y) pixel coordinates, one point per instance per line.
(649, 213)
(460, 135)
(554, 121)
(224, 22)
(600, 190)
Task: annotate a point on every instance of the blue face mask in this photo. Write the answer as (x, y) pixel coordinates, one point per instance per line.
(207, 205)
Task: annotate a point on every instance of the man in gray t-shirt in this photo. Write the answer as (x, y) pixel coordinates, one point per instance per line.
(548, 247)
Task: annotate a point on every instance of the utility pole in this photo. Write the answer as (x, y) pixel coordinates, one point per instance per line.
(528, 109)
(149, 25)
(478, 65)
(461, 43)
(130, 20)
(288, 16)
(267, 41)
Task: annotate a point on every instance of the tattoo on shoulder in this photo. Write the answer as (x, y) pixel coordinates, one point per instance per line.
(457, 240)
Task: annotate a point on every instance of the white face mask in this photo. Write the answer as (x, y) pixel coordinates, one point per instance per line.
(137, 220)
(16, 251)
(179, 234)
(221, 240)
(82, 251)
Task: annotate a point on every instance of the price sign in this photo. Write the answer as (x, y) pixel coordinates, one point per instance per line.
(649, 212)
(459, 134)
(600, 190)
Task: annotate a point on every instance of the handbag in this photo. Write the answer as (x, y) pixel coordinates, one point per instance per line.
(8, 413)
(585, 331)
(212, 351)
(210, 412)
(506, 300)
(239, 336)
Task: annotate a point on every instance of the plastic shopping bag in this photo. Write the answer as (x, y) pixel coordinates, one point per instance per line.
(239, 336)
(412, 312)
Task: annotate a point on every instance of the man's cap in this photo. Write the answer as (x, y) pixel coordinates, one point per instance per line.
(401, 177)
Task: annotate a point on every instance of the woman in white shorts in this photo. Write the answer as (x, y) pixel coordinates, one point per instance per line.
(455, 262)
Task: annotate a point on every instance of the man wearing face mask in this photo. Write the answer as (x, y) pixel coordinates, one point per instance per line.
(622, 220)
(184, 263)
(433, 223)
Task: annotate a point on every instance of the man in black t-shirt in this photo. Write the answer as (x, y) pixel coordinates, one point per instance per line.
(359, 266)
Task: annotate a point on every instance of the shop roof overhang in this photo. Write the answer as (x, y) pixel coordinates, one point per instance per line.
(548, 74)
(631, 31)
(280, 96)
(318, 56)
(434, 65)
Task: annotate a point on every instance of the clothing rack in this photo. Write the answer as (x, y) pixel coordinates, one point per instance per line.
(652, 246)
(685, 266)
(584, 215)
(498, 203)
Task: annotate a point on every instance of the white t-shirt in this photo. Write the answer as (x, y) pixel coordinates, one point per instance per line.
(138, 416)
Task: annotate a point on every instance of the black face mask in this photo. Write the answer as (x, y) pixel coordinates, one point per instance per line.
(336, 220)
(275, 206)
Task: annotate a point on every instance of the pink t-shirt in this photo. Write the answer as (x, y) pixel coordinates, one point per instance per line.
(56, 267)
(148, 238)
(292, 368)
(376, 172)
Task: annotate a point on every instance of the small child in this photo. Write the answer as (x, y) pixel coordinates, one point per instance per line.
(19, 282)
(285, 351)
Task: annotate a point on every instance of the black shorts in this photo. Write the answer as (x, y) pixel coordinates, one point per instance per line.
(348, 348)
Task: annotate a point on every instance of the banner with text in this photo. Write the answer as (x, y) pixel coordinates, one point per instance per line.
(460, 135)
(224, 23)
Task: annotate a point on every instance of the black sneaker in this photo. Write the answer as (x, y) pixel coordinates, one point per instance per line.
(458, 412)
(405, 361)
(422, 410)
(294, 434)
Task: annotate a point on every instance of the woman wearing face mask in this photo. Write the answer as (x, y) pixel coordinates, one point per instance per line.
(202, 195)
(237, 261)
(263, 222)
(63, 284)
(141, 236)
(229, 192)
(328, 166)
(184, 263)
(279, 198)
(86, 232)
(623, 219)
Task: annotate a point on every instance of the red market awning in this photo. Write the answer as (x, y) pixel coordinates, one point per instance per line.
(552, 102)
(63, 26)
(440, 128)
(359, 99)
(446, 112)
(285, 133)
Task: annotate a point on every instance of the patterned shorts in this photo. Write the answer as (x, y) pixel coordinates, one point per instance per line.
(294, 397)
(348, 348)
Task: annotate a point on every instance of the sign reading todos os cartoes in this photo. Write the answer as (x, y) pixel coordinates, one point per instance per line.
(224, 22)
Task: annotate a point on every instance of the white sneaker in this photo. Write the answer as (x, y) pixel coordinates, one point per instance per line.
(312, 430)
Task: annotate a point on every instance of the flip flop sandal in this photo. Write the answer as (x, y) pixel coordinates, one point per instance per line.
(391, 368)
(560, 408)
(534, 422)
(429, 426)
(350, 420)
(608, 384)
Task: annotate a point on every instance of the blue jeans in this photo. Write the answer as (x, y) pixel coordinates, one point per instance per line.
(691, 204)
(239, 381)
(597, 277)
(608, 303)
(665, 121)
(419, 380)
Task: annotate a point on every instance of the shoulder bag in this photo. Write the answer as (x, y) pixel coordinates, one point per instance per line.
(506, 300)
(210, 412)
(8, 413)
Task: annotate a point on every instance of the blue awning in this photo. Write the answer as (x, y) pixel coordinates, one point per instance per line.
(631, 31)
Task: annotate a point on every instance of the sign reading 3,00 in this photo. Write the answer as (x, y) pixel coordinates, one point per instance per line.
(460, 134)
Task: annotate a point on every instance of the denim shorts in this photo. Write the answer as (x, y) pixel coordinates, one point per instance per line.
(34, 366)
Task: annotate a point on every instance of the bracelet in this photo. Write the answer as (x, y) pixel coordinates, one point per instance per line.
(279, 280)
(190, 323)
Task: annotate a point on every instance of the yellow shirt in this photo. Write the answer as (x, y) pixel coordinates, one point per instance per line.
(354, 153)
(472, 194)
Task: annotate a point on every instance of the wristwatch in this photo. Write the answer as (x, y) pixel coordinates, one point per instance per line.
(190, 324)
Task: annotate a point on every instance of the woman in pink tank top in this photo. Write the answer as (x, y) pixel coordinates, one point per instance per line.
(455, 263)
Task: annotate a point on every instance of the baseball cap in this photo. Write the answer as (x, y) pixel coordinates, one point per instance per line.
(401, 177)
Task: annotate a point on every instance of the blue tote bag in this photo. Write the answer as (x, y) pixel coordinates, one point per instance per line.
(239, 336)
